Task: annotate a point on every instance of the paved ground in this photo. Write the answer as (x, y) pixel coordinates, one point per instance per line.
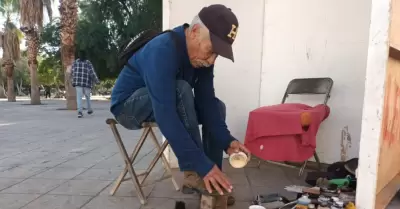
(51, 159)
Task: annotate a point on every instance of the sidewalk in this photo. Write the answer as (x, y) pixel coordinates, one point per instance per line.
(51, 159)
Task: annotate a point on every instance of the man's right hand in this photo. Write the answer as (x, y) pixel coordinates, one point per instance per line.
(215, 178)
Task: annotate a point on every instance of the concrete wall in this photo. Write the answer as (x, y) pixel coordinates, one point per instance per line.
(279, 40)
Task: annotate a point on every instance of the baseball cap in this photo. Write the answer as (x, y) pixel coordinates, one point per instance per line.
(223, 26)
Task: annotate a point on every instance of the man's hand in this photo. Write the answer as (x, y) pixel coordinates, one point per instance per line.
(236, 147)
(215, 178)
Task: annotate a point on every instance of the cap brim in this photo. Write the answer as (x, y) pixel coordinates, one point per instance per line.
(222, 48)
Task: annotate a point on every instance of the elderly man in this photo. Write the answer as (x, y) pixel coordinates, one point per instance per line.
(156, 85)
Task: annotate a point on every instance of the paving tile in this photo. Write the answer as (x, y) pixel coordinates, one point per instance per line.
(15, 201)
(34, 186)
(12, 162)
(126, 189)
(4, 168)
(81, 187)
(264, 177)
(166, 189)
(60, 173)
(86, 160)
(7, 182)
(21, 172)
(114, 162)
(49, 161)
(58, 202)
(240, 205)
(166, 203)
(99, 174)
(243, 193)
(108, 202)
(238, 178)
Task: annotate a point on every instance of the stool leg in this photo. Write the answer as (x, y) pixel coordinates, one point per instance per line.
(132, 159)
(164, 159)
(154, 161)
(128, 165)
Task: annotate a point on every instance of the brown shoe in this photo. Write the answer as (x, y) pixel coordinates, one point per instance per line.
(193, 183)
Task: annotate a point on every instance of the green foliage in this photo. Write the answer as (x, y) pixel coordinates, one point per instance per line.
(50, 72)
(102, 26)
(21, 71)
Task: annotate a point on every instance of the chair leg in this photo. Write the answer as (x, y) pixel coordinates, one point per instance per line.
(303, 167)
(318, 161)
(164, 159)
(128, 164)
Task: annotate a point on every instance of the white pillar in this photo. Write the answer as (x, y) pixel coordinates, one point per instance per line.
(373, 104)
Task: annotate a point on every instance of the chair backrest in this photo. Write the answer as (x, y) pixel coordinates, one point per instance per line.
(309, 86)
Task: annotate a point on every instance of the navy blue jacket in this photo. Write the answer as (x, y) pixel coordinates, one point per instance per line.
(157, 67)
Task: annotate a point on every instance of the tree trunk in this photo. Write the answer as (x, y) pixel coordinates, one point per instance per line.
(2, 91)
(10, 88)
(69, 16)
(33, 44)
(9, 68)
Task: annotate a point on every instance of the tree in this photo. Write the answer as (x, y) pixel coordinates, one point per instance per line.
(31, 24)
(10, 41)
(3, 80)
(102, 27)
(69, 17)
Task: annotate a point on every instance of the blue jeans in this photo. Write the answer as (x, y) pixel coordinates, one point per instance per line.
(138, 109)
(80, 91)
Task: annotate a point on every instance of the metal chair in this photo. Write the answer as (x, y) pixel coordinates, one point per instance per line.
(129, 160)
(307, 86)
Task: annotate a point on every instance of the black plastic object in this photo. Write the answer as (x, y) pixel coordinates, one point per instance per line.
(180, 205)
(309, 86)
(275, 197)
(351, 165)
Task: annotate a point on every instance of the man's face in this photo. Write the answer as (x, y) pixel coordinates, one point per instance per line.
(200, 48)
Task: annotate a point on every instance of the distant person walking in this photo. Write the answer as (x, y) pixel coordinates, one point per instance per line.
(83, 79)
(47, 92)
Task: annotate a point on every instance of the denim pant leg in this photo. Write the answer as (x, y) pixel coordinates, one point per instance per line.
(210, 144)
(79, 94)
(87, 92)
(138, 109)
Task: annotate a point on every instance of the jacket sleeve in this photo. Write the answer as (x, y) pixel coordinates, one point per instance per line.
(207, 107)
(93, 73)
(160, 79)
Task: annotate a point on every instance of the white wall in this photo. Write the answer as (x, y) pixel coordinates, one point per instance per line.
(318, 38)
(279, 40)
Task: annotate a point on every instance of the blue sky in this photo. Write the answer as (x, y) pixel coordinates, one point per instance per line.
(16, 20)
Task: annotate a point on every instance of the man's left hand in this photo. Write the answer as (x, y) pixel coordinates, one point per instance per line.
(236, 147)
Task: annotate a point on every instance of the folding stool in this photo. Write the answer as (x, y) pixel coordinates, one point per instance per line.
(129, 160)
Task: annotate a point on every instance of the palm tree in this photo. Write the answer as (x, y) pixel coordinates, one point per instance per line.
(31, 24)
(69, 16)
(11, 53)
(10, 41)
